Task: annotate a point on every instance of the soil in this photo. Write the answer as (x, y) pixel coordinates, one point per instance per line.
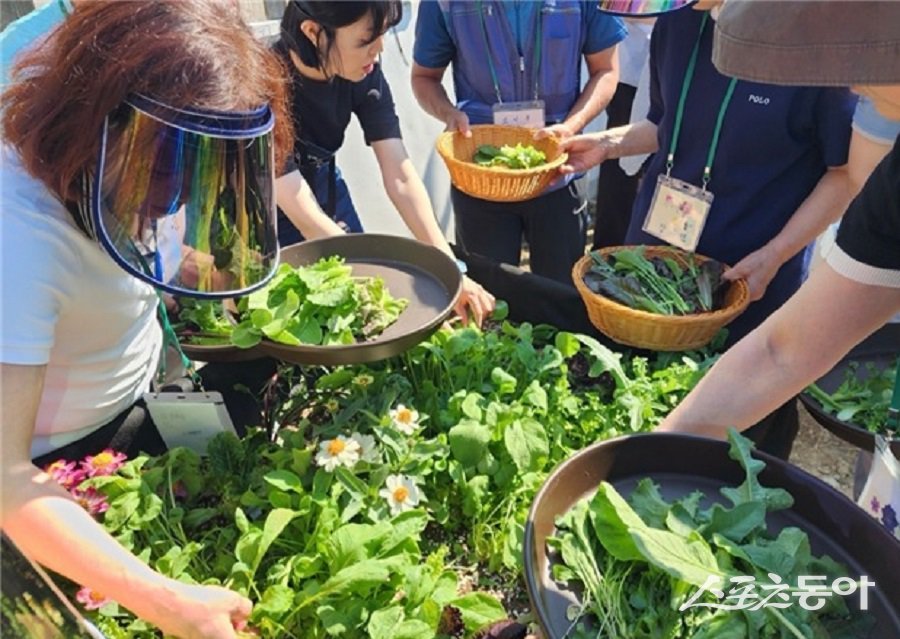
(822, 454)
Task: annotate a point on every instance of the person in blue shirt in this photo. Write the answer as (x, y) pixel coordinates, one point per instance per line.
(508, 52)
(778, 174)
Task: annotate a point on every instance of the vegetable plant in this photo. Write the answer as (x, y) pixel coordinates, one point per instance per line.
(386, 499)
(512, 157)
(203, 322)
(862, 399)
(319, 304)
(657, 284)
(639, 560)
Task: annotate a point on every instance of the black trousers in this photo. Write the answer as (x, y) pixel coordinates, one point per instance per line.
(552, 224)
(775, 433)
(616, 189)
(133, 432)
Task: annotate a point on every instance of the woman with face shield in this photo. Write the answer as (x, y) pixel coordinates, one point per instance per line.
(332, 50)
(140, 141)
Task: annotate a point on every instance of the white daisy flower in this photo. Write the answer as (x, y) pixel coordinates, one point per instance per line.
(367, 449)
(401, 493)
(340, 451)
(406, 420)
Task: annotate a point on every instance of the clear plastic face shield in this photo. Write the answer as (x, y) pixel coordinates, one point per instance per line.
(185, 199)
(642, 8)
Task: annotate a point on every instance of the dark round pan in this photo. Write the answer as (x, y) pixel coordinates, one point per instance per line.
(881, 348)
(681, 464)
(224, 353)
(422, 274)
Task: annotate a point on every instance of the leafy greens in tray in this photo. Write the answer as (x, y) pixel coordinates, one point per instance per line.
(659, 284)
(861, 400)
(512, 157)
(640, 560)
(321, 304)
(203, 322)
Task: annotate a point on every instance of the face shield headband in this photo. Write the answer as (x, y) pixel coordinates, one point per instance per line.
(642, 8)
(185, 199)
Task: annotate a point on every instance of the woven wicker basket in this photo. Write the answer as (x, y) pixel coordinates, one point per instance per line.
(651, 331)
(498, 184)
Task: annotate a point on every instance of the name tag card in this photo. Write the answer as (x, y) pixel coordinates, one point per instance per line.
(527, 114)
(188, 419)
(678, 212)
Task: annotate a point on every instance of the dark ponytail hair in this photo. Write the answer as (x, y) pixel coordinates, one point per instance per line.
(331, 16)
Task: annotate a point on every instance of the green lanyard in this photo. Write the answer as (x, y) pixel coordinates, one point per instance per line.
(490, 60)
(169, 337)
(893, 418)
(679, 114)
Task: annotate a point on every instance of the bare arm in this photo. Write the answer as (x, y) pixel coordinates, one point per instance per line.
(431, 96)
(865, 154)
(825, 204)
(796, 345)
(299, 204)
(408, 194)
(603, 71)
(590, 149)
(46, 524)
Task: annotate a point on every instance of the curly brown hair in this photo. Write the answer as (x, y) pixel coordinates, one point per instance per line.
(197, 53)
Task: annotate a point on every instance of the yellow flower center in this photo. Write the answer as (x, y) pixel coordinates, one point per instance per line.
(404, 415)
(102, 459)
(400, 494)
(96, 596)
(336, 447)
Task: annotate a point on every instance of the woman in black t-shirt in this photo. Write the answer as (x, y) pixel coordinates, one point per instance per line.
(331, 50)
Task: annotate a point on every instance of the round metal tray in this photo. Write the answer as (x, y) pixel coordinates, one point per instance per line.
(411, 270)
(681, 464)
(881, 349)
(224, 353)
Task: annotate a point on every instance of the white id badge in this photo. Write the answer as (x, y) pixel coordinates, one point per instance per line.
(528, 114)
(678, 212)
(188, 419)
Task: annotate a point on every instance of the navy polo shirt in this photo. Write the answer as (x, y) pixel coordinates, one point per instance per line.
(775, 145)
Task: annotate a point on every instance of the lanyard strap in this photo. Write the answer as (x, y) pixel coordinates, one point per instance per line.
(537, 53)
(893, 418)
(169, 336)
(679, 113)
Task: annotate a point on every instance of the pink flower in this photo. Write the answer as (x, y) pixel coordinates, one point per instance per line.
(91, 599)
(105, 463)
(92, 501)
(65, 473)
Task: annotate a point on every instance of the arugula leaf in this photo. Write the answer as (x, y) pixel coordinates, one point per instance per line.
(751, 490)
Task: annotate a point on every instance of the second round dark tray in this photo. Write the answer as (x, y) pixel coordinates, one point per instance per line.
(411, 270)
(681, 464)
(881, 348)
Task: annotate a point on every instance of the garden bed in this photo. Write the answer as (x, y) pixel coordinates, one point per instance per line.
(393, 498)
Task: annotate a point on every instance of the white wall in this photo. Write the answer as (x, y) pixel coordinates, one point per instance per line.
(420, 130)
